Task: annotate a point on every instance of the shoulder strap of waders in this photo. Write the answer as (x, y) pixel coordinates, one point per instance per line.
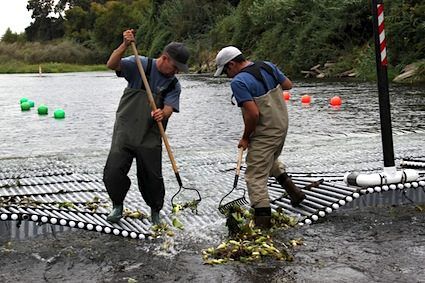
(148, 72)
(255, 70)
(171, 86)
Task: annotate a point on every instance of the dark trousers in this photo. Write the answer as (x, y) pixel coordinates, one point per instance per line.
(149, 175)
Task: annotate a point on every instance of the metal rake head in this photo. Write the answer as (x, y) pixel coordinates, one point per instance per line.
(198, 200)
(226, 208)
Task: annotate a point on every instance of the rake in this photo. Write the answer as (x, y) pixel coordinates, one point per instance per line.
(162, 131)
(227, 207)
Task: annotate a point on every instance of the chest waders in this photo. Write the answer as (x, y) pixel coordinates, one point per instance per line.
(266, 143)
(136, 135)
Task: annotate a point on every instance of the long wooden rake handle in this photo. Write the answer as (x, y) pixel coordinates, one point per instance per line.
(238, 166)
(225, 208)
(153, 106)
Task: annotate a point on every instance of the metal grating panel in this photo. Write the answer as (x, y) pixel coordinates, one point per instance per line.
(60, 198)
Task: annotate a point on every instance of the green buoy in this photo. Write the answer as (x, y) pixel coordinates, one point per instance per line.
(31, 103)
(42, 109)
(25, 106)
(59, 114)
(23, 99)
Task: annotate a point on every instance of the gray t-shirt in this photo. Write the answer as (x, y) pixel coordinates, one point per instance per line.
(157, 81)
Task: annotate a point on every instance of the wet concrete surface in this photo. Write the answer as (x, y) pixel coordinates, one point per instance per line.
(379, 244)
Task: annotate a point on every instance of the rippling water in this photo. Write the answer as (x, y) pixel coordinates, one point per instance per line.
(207, 121)
(204, 136)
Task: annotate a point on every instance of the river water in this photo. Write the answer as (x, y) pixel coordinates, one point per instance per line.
(321, 138)
(207, 119)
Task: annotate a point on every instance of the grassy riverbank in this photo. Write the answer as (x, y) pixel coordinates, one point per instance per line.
(59, 56)
(20, 67)
(412, 74)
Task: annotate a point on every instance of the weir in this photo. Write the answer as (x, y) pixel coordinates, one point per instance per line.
(65, 197)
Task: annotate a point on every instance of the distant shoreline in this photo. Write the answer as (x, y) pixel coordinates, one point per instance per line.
(53, 68)
(22, 68)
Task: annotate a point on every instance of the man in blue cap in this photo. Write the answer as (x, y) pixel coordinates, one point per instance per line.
(136, 133)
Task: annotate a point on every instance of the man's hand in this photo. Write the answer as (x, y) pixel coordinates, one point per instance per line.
(158, 115)
(128, 37)
(244, 143)
(115, 58)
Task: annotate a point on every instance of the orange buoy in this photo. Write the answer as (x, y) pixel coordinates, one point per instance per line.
(286, 95)
(336, 101)
(305, 98)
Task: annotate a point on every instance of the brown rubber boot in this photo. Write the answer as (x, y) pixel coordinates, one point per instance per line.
(295, 194)
(262, 217)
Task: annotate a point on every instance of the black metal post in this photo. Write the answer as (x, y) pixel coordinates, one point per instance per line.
(384, 97)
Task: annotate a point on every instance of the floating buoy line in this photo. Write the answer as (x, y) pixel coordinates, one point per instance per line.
(26, 105)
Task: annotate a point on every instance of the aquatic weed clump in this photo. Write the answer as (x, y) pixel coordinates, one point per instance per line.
(248, 243)
(161, 230)
(192, 205)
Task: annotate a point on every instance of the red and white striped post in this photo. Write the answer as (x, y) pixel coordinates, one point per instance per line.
(384, 97)
(381, 31)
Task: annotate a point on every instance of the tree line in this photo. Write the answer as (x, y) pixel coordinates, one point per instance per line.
(296, 35)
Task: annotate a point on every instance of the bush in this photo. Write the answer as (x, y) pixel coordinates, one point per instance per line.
(60, 51)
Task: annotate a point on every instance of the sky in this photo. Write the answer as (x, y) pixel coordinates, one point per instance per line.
(14, 14)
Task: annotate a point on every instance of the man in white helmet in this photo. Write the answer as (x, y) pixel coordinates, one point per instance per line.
(257, 88)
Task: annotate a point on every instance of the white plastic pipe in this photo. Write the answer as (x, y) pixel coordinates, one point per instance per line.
(379, 179)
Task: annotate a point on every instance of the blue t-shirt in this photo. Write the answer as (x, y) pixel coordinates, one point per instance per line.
(157, 81)
(245, 86)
